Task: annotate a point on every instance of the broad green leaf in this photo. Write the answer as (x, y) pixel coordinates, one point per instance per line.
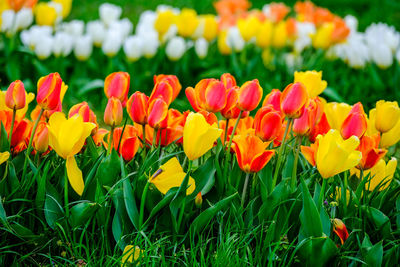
(374, 255)
(53, 211)
(317, 252)
(82, 213)
(309, 216)
(109, 169)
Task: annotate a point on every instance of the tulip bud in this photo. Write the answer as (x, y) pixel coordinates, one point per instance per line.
(228, 80)
(137, 106)
(41, 138)
(198, 201)
(16, 96)
(210, 95)
(231, 111)
(387, 115)
(249, 95)
(267, 123)
(175, 49)
(49, 90)
(85, 112)
(201, 48)
(355, 123)
(273, 98)
(172, 80)
(113, 113)
(158, 113)
(293, 99)
(340, 230)
(83, 47)
(311, 115)
(117, 85)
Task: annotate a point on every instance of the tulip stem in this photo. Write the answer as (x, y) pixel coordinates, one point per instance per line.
(111, 140)
(226, 130)
(29, 149)
(246, 182)
(144, 136)
(322, 193)
(66, 195)
(142, 203)
(296, 159)
(155, 133)
(281, 150)
(12, 127)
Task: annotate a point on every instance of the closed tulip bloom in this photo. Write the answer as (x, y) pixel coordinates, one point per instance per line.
(198, 136)
(67, 137)
(201, 48)
(66, 7)
(17, 5)
(191, 96)
(231, 111)
(387, 115)
(117, 85)
(274, 99)
(251, 152)
(311, 115)
(323, 37)
(355, 123)
(210, 95)
(49, 90)
(293, 100)
(172, 80)
(83, 47)
(41, 138)
(248, 27)
(187, 22)
(45, 14)
(157, 114)
(280, 35)
(210, 26)
(249, 95)
(170, 175)
(267, 123)
(128, 144)
(228, 80)
(391, 137)
(15, 97)
(336, 113)
(371, 154)
(175, 48)
(85, 112)
(198, 201)
(334, 155)
(312, 80)
(164, 21)
(113, 112)
(164, 90)
(137, 106)
(340, 230)
(264, 35)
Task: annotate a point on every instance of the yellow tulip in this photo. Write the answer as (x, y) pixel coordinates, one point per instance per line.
(391, 137)
(335, 155)
(4, 157)
(248, 27)
(209, 22)
(322, 38)
(163, 21)
(130, 254)
(171, 175)
(380, 174)
(67, 137)
(198, 135)
(371, 130)
(20, 114)
(336, 113)
(45, 14)
(387, 115)
(66, 7)
(280, 36)
(264, 36)
(223, 46)
(312, 81)
(187, 22)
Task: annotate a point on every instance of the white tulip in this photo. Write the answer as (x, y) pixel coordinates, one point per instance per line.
(8, 21)
(58, 9)
(34, 35)
(201, 47)
(83, 47)
(151, 43)
(175, 49)
(97, 31)
(43, 48)
(381, 54)
(133, 47)
(123, 26)
(351, 22)
(112, 43)
(109, 13)
(74, 27)
(146, 22)
(234, 39)
(24, 18)
(63, 44)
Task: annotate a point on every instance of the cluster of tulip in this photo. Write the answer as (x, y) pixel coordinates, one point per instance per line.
(234, 29)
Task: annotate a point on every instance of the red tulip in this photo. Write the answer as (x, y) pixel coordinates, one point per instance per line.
(16, 96)
(117, 85)
(355, 123)
(267, 123)
(172, 80)
(249, 95)
(371, 154)
(273, 98)
(49, 89)
(293, 99)
(137, 106)
(158, 113)
(113, 113)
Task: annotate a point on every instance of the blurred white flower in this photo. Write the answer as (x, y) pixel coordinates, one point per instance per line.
(7, 21)
(171, 33)
(109, 13)
(304, 32)
(124, 27)
(74, 27)
(34, 35)
(381, 54)
(43, 48)
(175, 48)
(151, 43)
(24, 18)
(62, 44)
(97, 31)
(234, 39)
(133, 47)
(83, 47)
(383, 33)
(201, 47)
(58, 9)
(146, 22)
(112, 43)
(351, 22)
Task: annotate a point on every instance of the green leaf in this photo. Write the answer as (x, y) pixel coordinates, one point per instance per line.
(90, 86)
(204, 177)
(374, 255)
(4, 145)
(309, 216)
(53, 211)
(164, 202)
(205, 217)
(130, 203)
(81, 213)
(379, 219)
(317, 251)
(109, 169)
(41, 191)
(333, 94)
(3, 216)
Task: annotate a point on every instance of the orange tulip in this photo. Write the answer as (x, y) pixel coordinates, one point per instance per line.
(157, 113)
(249, 95)
(322, 127)
(267, 123)
(310, 117)
(162, 90)
(41, 138)
(17, 5)
(371, 154)
(98, 137)
(210, 95)
(309, 152)
(85, 112)
(273, 98)
(113, 113)
(191, 96)
(340, 230)
(231, 111)
(355, 123)
(228, 80)
(16, 95)
(137, 106)
(293, 100)
(340, 31)
(20, 131)
(251, 152)
(49, 90)
(117, 85)
(172, 80)
(128, 144)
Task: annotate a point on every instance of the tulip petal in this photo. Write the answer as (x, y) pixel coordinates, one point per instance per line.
(75, 175)
(260, 160)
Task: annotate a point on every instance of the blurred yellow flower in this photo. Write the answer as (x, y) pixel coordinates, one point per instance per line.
(387, 115)
(312, 80)
(163, 21)
(210, 25)
(248, 27)
(187, 22)
(45, 14)
(67, 137)
(264, 36)
(171, 175)
(223, 46)
(280, 36)
(323, 37)
(198, 136)
(66, 7)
